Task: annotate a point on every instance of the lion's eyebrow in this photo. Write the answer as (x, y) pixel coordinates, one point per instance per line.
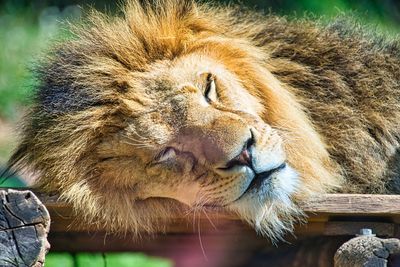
(187, 87)
(205, 75)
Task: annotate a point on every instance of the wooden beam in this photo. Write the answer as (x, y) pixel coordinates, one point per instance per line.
(354, 204)
(333, 208)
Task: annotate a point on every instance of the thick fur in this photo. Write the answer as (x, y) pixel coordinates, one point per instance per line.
(327, 96)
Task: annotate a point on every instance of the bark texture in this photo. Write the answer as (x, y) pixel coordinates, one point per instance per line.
(24, 225)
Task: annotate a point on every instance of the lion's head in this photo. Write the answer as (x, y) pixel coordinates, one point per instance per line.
(194, 134)
(172, 105)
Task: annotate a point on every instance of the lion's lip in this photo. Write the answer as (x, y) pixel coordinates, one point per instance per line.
(259, 178)
(256, 182)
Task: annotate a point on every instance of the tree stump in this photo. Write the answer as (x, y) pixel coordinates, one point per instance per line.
(366, 251)
(24, 225)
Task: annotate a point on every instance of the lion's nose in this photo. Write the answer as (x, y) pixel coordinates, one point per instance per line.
(243, 158)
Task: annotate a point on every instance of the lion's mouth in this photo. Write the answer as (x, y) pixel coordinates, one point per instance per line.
(256, 183)
(260, 178)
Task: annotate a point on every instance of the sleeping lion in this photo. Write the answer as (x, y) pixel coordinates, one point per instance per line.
(178, 106)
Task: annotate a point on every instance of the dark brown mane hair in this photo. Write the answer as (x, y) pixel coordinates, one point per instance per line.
(333, 88)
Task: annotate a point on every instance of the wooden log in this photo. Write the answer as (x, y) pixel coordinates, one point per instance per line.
(366, 251)
(330, 214)
(24, 225)
(331, 204)
(355, 204)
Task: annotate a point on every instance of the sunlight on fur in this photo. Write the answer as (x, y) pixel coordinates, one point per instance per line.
(177, 107)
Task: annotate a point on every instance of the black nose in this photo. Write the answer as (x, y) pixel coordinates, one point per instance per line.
(244, 157)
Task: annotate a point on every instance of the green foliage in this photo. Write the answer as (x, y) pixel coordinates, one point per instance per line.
(90, 260)
(60, 260)
(24, 36)
(105, 260)
(135, 260)
(13, 182)
(19, 40)
(10, 181)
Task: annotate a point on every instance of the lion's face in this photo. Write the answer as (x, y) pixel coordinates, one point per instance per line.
(195, 136)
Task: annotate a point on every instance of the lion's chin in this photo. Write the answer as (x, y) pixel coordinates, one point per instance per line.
(270, 208)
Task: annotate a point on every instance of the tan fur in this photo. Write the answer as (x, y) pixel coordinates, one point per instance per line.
(113, 99)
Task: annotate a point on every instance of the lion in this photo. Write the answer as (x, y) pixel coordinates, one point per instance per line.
(178, 106)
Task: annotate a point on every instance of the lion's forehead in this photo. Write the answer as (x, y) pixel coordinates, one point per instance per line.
(170, 85)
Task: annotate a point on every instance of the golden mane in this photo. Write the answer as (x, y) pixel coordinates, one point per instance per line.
(105, 50)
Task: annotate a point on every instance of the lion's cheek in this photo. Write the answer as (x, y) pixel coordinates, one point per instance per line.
(171, 168)
(173, 179)
(183, 192)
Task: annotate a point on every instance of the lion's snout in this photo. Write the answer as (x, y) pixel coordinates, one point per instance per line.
(244, 158)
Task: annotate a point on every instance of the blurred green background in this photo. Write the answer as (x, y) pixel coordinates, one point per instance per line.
(27, 28)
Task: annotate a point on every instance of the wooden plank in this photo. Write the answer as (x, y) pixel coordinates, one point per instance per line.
(354, 204)
(243, 238)
(320, 210)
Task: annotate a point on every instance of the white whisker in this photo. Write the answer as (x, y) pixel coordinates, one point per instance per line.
(211, 222)
(200, 240)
